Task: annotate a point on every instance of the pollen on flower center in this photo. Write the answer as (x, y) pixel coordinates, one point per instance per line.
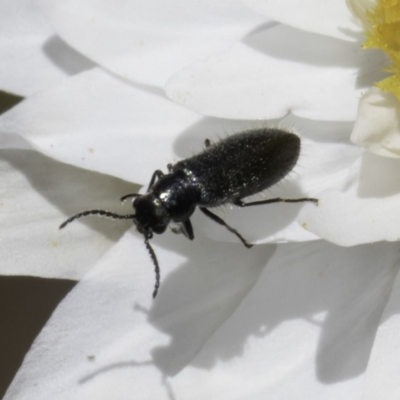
(384, 34)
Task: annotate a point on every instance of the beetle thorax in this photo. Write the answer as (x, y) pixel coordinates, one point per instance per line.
(177, 194)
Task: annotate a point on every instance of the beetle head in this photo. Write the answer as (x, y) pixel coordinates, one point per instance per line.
(150, 214)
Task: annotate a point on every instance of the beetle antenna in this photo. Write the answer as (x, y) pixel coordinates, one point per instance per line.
(96, 212)
(157, 267)
(128, 196)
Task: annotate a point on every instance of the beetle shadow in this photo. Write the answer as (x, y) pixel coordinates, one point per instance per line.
(192, 140)
(214, 304)
(206, 290)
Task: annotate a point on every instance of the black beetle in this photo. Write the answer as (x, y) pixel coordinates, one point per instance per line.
(226, 172)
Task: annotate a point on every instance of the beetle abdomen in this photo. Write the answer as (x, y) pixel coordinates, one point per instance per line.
(241, 165)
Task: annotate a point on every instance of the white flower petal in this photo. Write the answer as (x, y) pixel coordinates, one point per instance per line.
(273, 72)
(384, 364)
(365, 210)
(359, 9)
(112, 318)
(377, 127)
(132, 134)
(99, 122)
(328, 17)
(32, 57)
(37, 194)
(217, 321)
(148, 41)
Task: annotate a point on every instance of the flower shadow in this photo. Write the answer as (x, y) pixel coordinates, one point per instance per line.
(377, 176)
(71, 189)
(321, 50)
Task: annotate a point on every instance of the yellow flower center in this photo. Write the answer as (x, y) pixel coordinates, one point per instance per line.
(384, 34)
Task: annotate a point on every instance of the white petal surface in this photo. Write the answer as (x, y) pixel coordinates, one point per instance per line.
(113, 319)
(278, 70)
(377, 127)
(365, 210)
(148, 41)
(96, 121)
(37, 194)
(32, 57)
(99, 122)
(328, 17)
(302, 325)
(384, 364)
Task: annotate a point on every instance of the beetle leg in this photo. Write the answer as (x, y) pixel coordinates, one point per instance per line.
(184, 227)
(240, 203)
(220, 221)
(157, 174)
(187, 229)
(128, 196)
